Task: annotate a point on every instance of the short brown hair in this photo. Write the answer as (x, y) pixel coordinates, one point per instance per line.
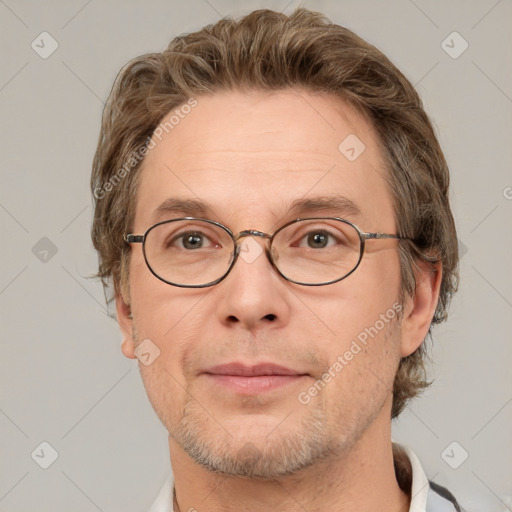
(270, 51)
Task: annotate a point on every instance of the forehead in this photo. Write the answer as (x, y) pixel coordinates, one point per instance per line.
(253, 155)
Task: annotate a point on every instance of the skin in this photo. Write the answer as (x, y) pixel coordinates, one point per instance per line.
(250, 156)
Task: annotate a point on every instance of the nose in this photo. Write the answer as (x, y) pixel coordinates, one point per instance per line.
(253, 294)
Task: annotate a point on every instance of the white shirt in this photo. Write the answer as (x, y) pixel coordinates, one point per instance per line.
(423, 497)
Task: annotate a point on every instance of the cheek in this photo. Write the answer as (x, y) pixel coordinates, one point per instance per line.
(165, 390)
(361, 379)
(160, 309)
(351, 306)
(168, 329)
(375, 284)
(361, 313)
(174, 320)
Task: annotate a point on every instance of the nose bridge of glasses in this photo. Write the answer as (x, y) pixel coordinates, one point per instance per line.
(251, 232)
(254, 232)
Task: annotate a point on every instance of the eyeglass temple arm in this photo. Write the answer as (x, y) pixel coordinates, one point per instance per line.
(134, 239)
(368, 236)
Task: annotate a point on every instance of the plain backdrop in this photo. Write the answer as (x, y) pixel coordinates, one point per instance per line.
(63, 379)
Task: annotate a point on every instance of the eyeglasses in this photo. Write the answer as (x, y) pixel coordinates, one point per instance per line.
(196, 253)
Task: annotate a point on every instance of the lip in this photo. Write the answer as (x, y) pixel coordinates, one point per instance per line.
(257, 370)
(251, 380)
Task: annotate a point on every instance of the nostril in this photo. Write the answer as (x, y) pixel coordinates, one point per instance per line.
(270, 317)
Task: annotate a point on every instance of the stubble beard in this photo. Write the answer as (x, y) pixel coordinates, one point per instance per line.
(277, 453)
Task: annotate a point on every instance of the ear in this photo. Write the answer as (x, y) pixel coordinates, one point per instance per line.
(420, 308)
(124, 319)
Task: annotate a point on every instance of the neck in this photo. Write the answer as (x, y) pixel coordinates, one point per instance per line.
(363, 479)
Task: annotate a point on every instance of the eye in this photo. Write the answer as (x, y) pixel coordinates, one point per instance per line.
(311, 236)
(191, 240)
(318, 239)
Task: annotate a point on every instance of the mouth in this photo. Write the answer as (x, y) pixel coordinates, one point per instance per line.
(251, 380)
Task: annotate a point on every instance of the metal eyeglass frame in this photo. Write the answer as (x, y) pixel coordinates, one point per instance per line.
(363, 236)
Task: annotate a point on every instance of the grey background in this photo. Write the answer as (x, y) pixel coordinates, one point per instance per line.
(63, 377)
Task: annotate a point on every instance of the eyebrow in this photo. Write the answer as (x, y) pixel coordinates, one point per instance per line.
(186, 207)
(331, 203)
(334, 203)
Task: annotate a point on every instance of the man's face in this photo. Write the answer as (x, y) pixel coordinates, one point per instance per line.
(250, 157)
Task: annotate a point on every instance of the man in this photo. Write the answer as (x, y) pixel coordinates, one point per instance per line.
(272, 210)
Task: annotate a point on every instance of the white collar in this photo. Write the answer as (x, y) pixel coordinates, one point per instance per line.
(423, 498)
